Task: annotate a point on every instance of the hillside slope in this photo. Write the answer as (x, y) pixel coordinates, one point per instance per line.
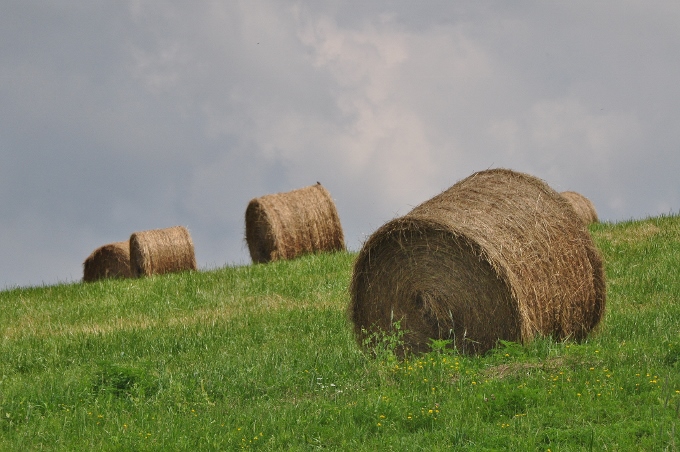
(263, 357)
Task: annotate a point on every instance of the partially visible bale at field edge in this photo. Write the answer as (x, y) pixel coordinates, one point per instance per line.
(159, 251)
(498, 256)
(108, 261)
(583, 207)
(287, 225)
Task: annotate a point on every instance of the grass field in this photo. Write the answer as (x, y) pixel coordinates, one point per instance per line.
(262, 357)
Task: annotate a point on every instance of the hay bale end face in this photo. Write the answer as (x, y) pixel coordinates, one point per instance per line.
(108, 261)
(288, 225)
(583, 206)
(498, 256)
(159, 251)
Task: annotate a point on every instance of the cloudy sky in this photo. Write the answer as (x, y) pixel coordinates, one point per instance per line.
(124, 116)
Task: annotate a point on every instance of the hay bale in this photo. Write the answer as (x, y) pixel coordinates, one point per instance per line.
(288, 225)
(583, 206)
(108, 261)
(159, 251)
(499, 255)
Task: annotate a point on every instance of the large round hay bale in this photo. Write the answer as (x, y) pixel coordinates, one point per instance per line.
(288, 225)
(583, 206)
(498, 256)
(108, 261)
(159, 251)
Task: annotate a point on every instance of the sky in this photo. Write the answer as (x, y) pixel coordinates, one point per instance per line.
(124, 116)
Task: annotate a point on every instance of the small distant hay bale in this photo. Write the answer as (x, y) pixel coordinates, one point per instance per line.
(108, 261)
(287, 225)
(159, 251)
(583, 206)
(498, 256)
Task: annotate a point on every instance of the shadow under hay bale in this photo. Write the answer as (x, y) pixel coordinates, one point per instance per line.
(583, 206)
(159, 251)
(287, 225)
(498, 256)
(108, 261)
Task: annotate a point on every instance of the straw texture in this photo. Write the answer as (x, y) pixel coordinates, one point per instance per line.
(159, 251)
(287, 225)
(583, 207)
(499, 255)
(108, 261)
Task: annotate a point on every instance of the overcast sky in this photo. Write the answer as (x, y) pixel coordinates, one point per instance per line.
(123, 116)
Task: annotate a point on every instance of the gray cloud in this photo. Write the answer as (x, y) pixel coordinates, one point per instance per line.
(117, 117)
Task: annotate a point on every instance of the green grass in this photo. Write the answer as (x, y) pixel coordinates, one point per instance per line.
(262, 357)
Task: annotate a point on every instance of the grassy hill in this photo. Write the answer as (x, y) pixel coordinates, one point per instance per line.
(262, 357)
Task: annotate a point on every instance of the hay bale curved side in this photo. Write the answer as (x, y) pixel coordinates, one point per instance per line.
(436, 282)
(288, 225)
(499, 255)
(159, 251)
(583, 207)
(108, 261)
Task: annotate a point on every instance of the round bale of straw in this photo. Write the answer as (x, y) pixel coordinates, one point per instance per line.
(583, 206)
(498, 256)
(108, 261)
(287, 225)
(159, 251)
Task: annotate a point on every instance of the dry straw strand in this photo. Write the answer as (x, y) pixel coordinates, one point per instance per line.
(583, 206)
(159, 251)
(287, 225)
(108, 261)
(498, 256)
